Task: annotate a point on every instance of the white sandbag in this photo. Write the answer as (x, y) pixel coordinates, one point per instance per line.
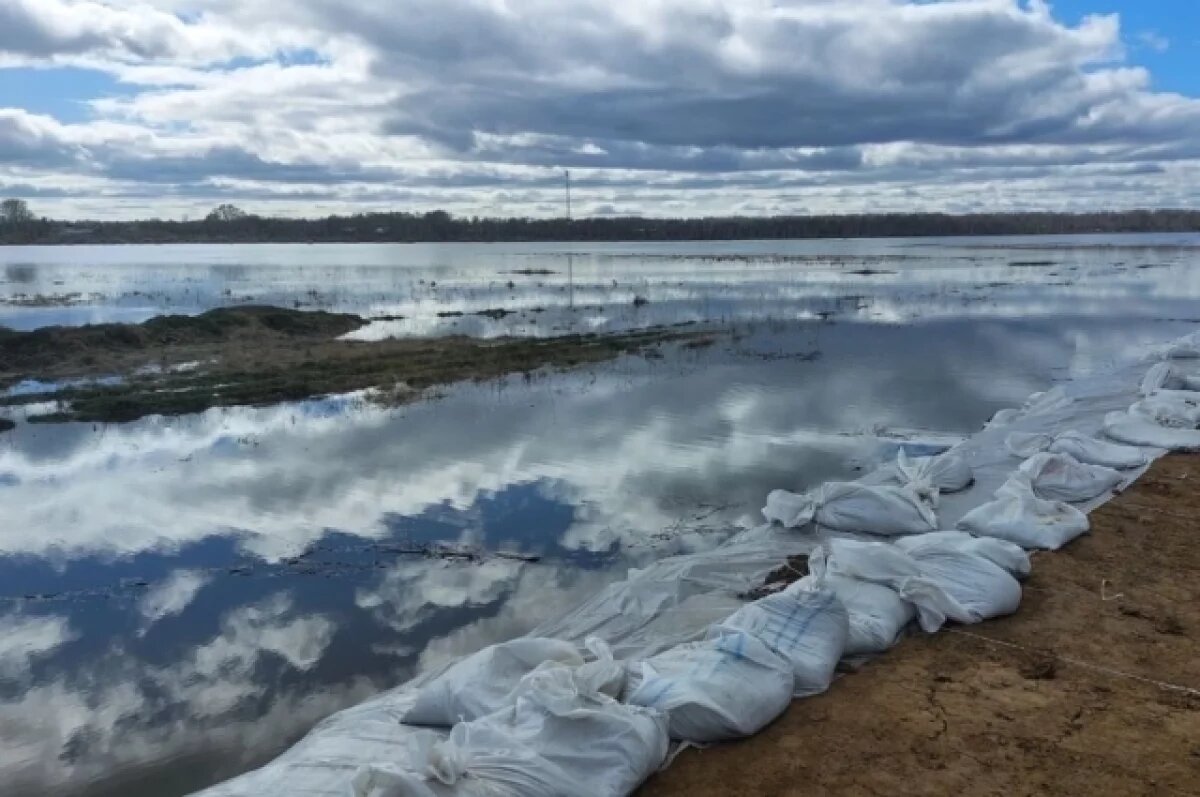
(726, 687)
(561, 734)
(1061, 477)
(472, 762)
(979, 590)
(927, 477)
(483, 682)
(949, 472)
(1159, 376)
(1086, 449)
(928, 581)
(1174, 409)
(1007, 555)
(850, 506)
(606, 747)
(1136, 430)
(806, 624)
(1020, 517)
(877, 615)
(1002, 418)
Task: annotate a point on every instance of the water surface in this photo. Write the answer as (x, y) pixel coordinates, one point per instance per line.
(181, 598)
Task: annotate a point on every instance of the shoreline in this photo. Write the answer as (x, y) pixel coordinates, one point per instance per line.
(1092, 687)
(262, 355)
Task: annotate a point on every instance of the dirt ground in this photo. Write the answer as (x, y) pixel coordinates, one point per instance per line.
(1091, 689)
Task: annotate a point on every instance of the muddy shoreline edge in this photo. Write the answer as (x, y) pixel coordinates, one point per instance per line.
(263, 355)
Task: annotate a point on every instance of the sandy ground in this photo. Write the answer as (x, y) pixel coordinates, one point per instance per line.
(1092, 689)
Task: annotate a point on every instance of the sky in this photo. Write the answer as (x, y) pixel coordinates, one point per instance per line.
(165, 108)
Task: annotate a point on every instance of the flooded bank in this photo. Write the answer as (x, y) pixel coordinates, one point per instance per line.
(258, 355)
(185, 596)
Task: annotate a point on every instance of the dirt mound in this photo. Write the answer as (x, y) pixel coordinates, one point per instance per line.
(59, 347)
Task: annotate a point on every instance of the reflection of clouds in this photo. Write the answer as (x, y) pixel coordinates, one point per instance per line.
(633, 446)
(763, 280)
(172, 595)
(413, 592)
(537, 594)
(23, 639)
(119, 712)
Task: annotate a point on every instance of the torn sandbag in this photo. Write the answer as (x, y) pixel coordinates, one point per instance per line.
(1137, 430)
(876, 614)
(806, 624)
(977, 591)
(1174, 409)
(1021, 517)
(725, 687)
(483, 682)
(1002, 553)
(1061, 477)
(851, 506)
(1086, 449)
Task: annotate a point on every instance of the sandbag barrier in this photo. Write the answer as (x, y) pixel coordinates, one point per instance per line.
(590, 704)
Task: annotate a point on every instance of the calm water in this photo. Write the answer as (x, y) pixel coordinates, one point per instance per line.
(180, 599)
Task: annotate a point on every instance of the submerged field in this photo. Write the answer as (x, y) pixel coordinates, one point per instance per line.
(420, 450)
(255, 356)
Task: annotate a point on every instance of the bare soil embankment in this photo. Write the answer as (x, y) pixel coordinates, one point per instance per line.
(173, 365)
(1090, 690)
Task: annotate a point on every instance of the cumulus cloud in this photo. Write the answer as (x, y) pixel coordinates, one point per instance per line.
(475, 104)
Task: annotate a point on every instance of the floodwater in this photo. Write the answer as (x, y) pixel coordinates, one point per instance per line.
(182, 598)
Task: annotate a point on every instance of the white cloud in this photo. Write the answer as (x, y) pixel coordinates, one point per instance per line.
(471, 105)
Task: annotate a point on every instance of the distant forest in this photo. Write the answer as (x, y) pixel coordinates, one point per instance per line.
(228, 224)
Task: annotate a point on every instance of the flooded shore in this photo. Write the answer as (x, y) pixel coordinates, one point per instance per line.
(1091, 688)
(185, 595)
(255, 356)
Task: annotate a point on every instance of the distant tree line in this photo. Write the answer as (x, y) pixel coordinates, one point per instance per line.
(229, 224)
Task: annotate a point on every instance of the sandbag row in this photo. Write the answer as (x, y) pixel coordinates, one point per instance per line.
(558, 713)
(1168, 414)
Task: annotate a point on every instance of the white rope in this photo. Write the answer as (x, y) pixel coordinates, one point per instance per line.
(1086, 665)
